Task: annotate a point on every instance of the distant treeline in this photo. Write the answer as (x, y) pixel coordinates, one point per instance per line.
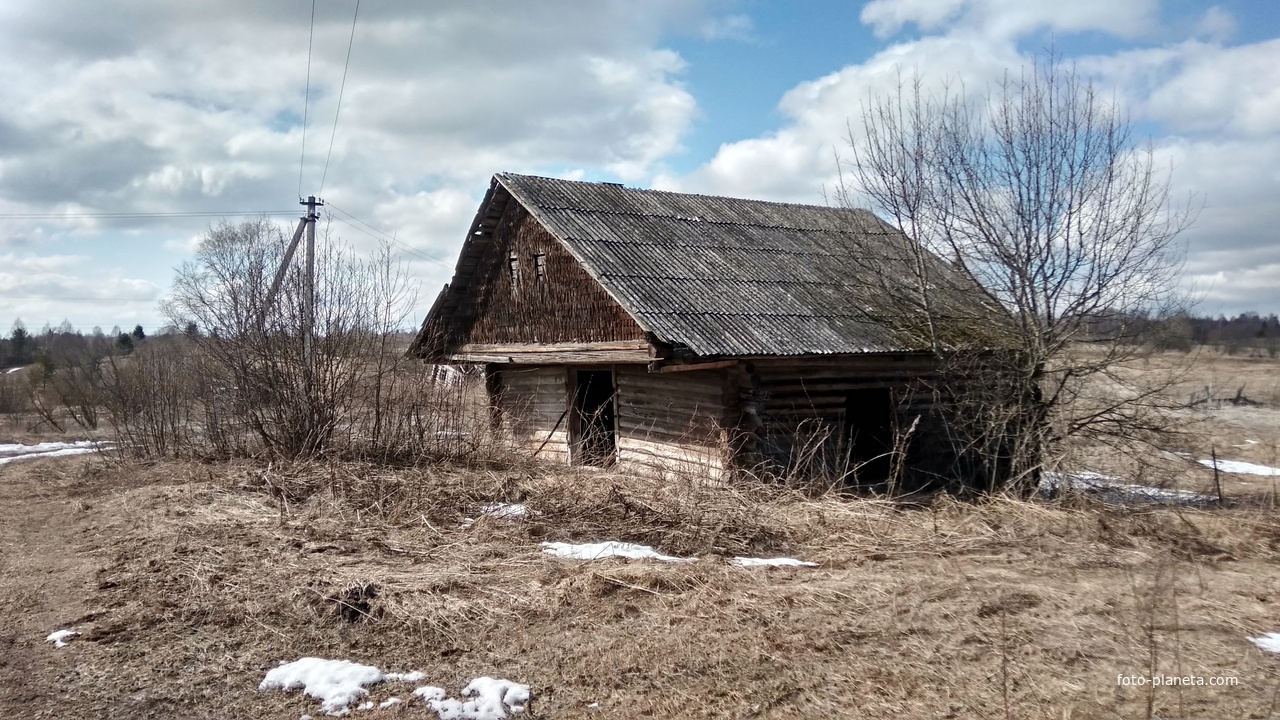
(64, 344)
(1244, 333)
(1248, 332)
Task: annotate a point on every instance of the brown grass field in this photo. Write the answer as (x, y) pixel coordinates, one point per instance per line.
(189, 581)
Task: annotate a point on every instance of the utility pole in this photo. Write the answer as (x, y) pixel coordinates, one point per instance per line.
(309, 298)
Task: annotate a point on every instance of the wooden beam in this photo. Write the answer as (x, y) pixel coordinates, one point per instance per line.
(717, 365)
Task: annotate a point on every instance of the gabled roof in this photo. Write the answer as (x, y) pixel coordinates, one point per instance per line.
(726, 276)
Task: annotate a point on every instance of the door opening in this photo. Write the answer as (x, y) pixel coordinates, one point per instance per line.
(869, 420)
(592, 434)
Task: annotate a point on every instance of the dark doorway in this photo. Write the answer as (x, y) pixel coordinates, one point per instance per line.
(592, 432)
(869, 420)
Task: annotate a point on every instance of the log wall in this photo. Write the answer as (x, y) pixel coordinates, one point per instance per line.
(792, 415)
(666, 423)
(672, 423)
(533, 402)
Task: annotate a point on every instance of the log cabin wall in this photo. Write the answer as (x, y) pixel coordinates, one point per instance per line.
(793, 416)
(532, 403)
(666, 423)
(672, 422)
(530, 289)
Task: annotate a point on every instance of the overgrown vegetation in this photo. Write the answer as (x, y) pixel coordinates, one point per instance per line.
(1038, 196)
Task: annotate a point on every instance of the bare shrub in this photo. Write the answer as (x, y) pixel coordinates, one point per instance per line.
(1036, 196)
(150, 399)
(294, 385)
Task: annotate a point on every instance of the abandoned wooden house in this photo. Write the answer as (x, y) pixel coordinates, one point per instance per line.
(667, 331)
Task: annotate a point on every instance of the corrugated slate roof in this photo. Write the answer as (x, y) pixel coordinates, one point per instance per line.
(726, 276)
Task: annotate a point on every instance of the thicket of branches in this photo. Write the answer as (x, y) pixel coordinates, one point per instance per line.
(1036, 193)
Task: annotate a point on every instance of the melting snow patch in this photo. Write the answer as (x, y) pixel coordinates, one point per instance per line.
(505, 510)
(772, 562)
(335, 683)
(500, 511)
(1242, 468)
(59, 638)
(1110, 489)
(494, 700)
(596, 551)
(1269, 642)
(389, 702)
(14, 452)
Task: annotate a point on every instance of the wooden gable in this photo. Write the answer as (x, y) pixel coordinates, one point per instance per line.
(529, 298)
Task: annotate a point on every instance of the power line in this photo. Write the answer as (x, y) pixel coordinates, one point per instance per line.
(140, 215)
(341, 89)
(306, 97)
(389, 238)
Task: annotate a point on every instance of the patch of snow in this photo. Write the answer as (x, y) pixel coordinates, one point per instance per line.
(499, 511)
(409, 677)
(10, 371)
(14, 452)
(430, 692)
(494, 700)
(389, 702)
(335, 683)
(1112, 490)
(1268, 643)
(1242, 468)
(59, 637)
(772, 562)
(505, 510)
(367, 705)
(610, 548)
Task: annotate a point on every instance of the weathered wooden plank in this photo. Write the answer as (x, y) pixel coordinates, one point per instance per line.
(718, 365)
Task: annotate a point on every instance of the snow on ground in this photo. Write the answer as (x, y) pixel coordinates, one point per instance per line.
(494, 700)
(335, 683)
(13, 370)
(338, 684)
(772, 562)
(609, 548)
(500, 511)
(1112, 490)
(1242, 468)
(1269, 642)
(59, 637)
(505, 510)
(632, 551)
(10, 452)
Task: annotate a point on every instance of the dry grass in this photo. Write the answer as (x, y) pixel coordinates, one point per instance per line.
(189, 581)
(202, 577)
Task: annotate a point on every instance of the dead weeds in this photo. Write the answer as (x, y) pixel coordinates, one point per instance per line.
(202, 577)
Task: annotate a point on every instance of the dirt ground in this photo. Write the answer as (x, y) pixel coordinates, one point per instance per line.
(189, 581)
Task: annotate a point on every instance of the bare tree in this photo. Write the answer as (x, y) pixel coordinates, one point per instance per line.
(1037, 194)
(256, 372)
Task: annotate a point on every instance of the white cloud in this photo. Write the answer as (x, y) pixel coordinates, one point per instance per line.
(1216, 25)
(152, 106)
(728, 27)
(797, 163)
(1004, 19)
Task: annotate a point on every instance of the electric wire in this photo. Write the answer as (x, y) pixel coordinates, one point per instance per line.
(341, 89)
(141, 215)
(380, 235)
(306, 98)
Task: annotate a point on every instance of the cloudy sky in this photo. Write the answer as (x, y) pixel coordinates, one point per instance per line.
(127, 127)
